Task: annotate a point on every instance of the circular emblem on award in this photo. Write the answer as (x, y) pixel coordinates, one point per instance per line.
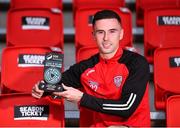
(52, 75)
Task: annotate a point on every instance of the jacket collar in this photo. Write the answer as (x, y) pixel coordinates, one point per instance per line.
(116, 57)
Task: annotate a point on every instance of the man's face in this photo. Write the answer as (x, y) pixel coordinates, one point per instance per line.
(107, 33)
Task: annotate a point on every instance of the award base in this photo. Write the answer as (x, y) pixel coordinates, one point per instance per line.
(50, 88)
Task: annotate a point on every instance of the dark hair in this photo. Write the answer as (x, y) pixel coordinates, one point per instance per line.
(105, 14)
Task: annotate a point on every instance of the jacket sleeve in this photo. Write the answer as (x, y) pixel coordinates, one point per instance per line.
(71, 77)
(132, 92)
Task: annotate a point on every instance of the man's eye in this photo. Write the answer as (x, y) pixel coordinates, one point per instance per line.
(112, 31)
(100, 32)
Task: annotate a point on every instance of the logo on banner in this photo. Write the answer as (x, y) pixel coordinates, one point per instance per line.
(174, 61)
(31, 60)
(34, 22)
(118, 81)
(39, 112)
(169, 20)
(90, 19)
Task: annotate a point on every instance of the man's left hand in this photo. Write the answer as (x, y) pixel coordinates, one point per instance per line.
(70, 94)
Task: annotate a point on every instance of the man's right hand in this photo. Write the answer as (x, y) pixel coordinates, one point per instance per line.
(36, 92)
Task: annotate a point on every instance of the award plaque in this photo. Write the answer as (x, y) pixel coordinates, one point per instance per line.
(52, 72)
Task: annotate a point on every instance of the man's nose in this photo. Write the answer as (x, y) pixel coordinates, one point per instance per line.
(105, 36)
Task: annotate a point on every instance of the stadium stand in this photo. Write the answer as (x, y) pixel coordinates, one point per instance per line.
(158, 118)
(161, 29)
(22, 110)
(83, 26)
(142, 5)
(166, 75)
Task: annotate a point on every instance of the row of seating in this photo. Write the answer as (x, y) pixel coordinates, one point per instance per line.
(83, 27)
(143, 5)
(166, 82)
(34, 29)
(160, 20)
(161, 29)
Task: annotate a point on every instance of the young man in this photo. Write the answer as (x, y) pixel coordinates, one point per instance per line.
(113, 83)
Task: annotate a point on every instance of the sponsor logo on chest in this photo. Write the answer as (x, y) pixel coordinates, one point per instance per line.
(93, 85)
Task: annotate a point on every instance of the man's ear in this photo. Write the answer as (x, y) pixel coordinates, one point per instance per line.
(121, 34)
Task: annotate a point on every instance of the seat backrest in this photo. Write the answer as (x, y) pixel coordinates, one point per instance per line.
(22, 110)
(172, 111)
(34, 27)
(86, 52)
(166, 74)
(78, 4)
(21, 68)
(83, 26)
(15, 4)
(142, 5)
(161, 29)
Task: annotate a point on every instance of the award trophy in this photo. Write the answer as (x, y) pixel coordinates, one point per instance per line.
(52, 72)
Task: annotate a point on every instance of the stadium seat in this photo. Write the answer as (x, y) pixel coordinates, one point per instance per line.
(34, 27)
(142, 5)
(86, 52)
(51, 4)
(21, 68)
(83, 27)
(77, 4)
(166, 75)
(22, 110)
(161, 29)
(97, 3)
(172, 111)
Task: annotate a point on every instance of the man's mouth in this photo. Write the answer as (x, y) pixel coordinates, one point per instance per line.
(106, 45)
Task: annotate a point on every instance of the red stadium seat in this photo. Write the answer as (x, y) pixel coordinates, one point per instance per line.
(78, 4)
(22, 110)
(161, 29)
(172, 111)
(35, 27)
(86, 52)
(166, 75)
(83, 27)
(142, 5)
(36, 4)
(21, 68)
